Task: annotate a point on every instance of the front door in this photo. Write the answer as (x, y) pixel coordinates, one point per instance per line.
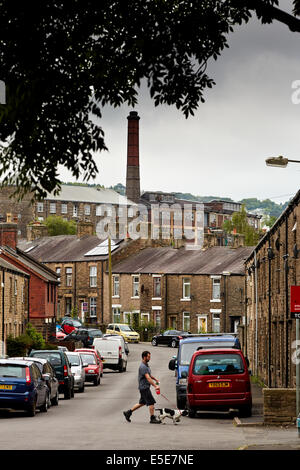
(173, 323)
(202, 324)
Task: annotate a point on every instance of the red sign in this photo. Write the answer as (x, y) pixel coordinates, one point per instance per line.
(295, 301)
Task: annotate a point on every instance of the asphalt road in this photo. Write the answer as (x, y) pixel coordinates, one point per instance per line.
(94, 420)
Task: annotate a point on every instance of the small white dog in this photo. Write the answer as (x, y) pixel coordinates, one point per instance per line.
(175, 415)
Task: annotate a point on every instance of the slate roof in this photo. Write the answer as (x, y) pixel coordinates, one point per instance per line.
(89, 194)
(167, 260)
(64, 248)
(10, 267)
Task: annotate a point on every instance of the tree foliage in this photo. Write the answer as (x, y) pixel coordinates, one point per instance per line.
(58, 226)
(62, 62)
(239, 223)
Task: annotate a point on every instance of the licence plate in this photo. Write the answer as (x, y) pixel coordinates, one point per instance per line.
(219, 385)
(6, 387)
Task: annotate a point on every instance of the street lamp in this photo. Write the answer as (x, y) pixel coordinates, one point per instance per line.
(279, 162)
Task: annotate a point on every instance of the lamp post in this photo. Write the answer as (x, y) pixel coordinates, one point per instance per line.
(279, 162)
(282, 162)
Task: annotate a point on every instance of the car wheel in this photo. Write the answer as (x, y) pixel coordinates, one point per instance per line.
(245, 411)
(72, 392)
(191, 412)
(173, 343)
(44, 407)
(54, 401)
(67, 393)
(31, 411)
(96, 382)
(154, 342)
(125, 367)
(181, 402)
(81, 390)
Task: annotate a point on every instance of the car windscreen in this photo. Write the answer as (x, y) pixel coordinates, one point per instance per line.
(221, 364)
(188, 349)
(11, 370)
(76, 323)
(88, 358)
(74, 360)
(126, 328)
(96, 333)
(53, 357)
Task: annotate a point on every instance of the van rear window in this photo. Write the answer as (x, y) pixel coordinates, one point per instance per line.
(221, 364)
(188, 349)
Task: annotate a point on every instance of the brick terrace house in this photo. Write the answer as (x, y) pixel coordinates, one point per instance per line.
(196, 290)
(80, 261)
(13, 300)
(43, 282)
(271, 269)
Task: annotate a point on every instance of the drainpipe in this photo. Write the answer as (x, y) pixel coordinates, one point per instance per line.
(166, 301)
(286, 304)
(3, 317)
(256, 316)
(246, 317)
(101, 293)
(269, 316)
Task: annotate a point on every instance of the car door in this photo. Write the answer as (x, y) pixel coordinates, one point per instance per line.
(164, 339)
(40, 385)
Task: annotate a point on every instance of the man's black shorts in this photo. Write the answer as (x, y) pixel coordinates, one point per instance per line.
(146, 397)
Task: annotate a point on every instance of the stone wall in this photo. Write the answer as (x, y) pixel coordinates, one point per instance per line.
(279, 405)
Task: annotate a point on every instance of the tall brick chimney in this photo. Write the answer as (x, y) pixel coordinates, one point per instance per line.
(133, 191)
(8, 233)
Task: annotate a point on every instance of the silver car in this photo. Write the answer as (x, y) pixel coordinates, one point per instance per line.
(77, 369)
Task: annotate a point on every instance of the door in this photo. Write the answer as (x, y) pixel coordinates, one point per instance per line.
(173, 323)
(202, 324)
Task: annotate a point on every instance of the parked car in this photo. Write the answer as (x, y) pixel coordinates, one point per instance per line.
(119, 337)
(58, 359)
(124, 330)
(95, 333)
(94, 367)
(218, 379)
(78, 370)
(169, 338)
(60, 334)
(22, 386)
(82, 335)
(186, 349)
(49, 375)
(69, 324)
(113, 353)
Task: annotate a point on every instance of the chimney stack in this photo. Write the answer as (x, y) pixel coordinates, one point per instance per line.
(133, 191)
(8, 233)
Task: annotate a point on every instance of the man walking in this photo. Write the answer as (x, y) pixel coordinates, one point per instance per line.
(145, 380)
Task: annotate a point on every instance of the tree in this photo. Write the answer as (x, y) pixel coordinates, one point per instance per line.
(58, 226)
(61, 64)
(239, 223)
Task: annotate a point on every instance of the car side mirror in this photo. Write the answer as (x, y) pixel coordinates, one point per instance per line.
(247, 361)
(85, 365)
(184, 374)
(46, 377)
(172, 364)
(250, 371)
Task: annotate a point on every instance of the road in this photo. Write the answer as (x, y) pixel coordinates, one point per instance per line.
(94, 420)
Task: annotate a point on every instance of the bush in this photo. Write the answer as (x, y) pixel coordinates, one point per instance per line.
(37, 340)
(19, 346)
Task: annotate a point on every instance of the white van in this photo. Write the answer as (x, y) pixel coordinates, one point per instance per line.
(113, 353)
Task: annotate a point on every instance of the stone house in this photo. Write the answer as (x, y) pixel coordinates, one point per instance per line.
(14, 312)
(42, 283)
(271, 269)
(196, 290)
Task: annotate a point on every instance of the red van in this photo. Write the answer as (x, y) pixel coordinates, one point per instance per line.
(218, 380)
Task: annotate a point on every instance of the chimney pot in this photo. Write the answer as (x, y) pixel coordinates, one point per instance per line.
(133, 191)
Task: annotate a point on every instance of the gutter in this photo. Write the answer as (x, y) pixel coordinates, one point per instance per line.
(256, 315)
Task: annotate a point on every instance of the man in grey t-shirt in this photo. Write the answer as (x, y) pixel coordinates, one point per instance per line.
(145, 380)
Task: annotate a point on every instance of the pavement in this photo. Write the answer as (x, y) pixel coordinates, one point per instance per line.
(257, 420)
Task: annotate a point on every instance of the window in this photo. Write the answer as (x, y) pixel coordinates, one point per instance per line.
(216, 323)
(58, 271)
(216, 288)
(40, 219)
(116, 286)
(130, 212)
(40, 207)
(98, 210)
(64, 208)
(127, 316)
(16, 287)
(135, 286)
(186, 288)
(116, 314)
(87, 210)
(145, 317)
(157, 319)
(68, 305)
(75, 210)
(186, 321)
(93, 307)
(52, 208)
(156, 286)
(93, 276)
(68, 277)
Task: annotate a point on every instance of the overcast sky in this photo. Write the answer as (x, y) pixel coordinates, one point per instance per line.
(248, 116)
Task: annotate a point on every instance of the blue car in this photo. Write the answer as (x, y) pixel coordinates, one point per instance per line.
(22, 386)
(186, 349)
